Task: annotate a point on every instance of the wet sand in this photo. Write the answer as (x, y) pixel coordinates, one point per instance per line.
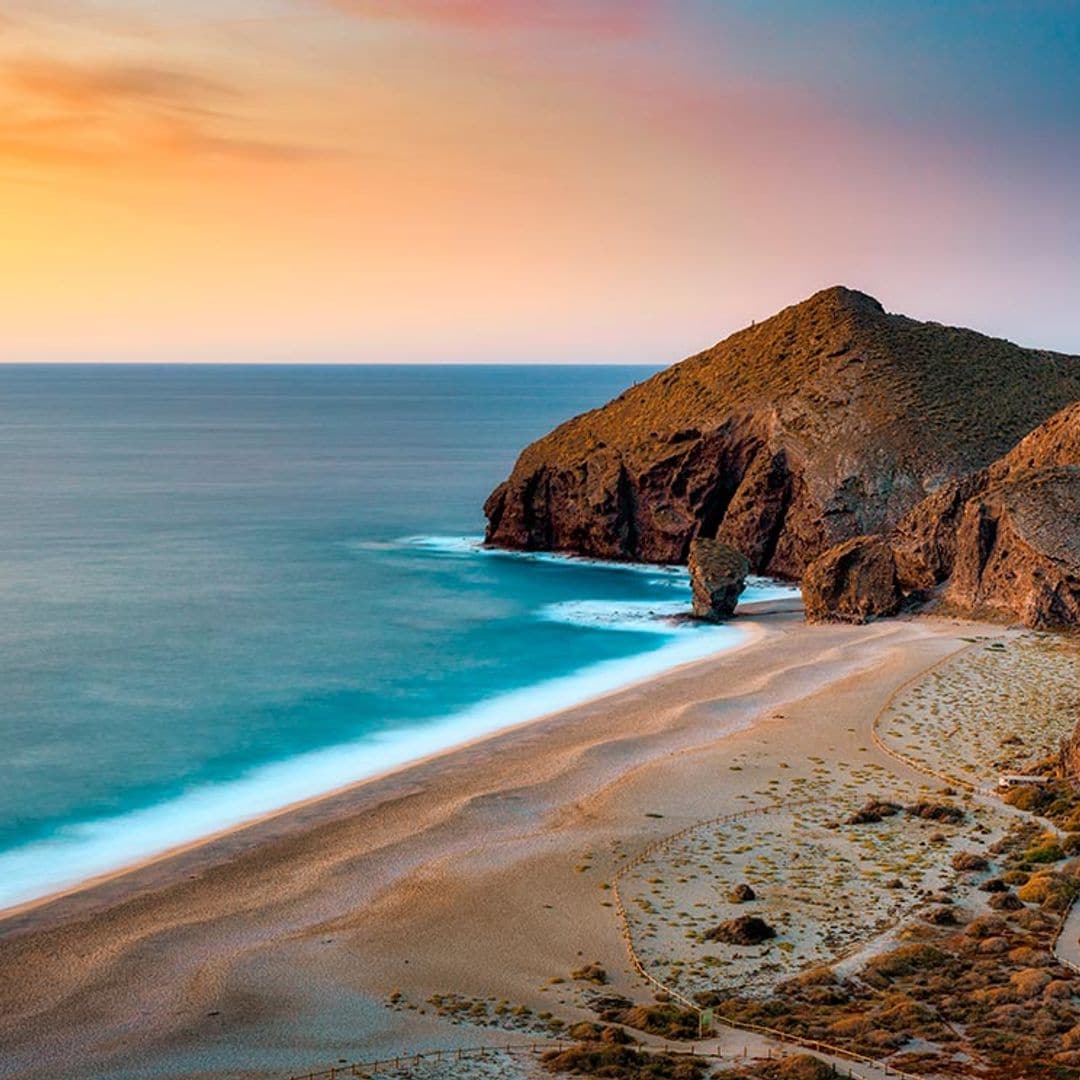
(481, 872)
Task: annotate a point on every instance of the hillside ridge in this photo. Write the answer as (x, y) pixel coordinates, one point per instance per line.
(829, 420)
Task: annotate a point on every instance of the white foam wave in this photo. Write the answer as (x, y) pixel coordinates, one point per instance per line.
(641, 616)
(757, 588)
(474, 545)
(652, 616)
(85, 850)
(79, 852)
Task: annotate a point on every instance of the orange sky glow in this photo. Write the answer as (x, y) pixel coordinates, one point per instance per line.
(456, 180)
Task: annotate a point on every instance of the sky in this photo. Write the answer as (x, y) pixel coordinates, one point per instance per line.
(511, 181)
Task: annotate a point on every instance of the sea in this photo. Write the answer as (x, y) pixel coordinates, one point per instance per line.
(226, 589)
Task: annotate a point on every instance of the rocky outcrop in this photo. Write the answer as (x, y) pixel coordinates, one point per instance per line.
(717, 578)
(1018, 551)
(1002, 542)
(1069, 757)
(830, 420)
(853, 582)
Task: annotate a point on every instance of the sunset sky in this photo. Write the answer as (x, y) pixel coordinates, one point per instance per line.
(570, 180)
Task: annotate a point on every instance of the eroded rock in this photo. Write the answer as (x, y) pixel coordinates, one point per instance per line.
(717, 578)
(742, 930)
(853, 582)
(1002, 542)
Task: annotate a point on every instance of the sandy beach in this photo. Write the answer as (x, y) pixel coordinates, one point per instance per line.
(483, 874)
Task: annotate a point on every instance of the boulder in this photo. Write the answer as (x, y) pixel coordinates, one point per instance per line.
(743, 930)
(717, 578)
(853, 582)
(741, 894)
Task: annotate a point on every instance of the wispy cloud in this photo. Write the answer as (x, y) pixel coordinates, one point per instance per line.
(74, 86)
(77, 113)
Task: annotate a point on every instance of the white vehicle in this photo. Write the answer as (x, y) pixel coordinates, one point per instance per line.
(1011, 780)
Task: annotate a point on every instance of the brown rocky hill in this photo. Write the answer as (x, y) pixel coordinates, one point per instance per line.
(829, 420)
(1003, 542)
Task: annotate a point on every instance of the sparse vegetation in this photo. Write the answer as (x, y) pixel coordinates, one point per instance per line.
(622, 1062)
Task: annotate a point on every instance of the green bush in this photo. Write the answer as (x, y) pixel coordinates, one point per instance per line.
(1047, 853)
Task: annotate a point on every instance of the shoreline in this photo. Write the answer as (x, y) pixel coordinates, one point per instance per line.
(750, 633)
(479, 871)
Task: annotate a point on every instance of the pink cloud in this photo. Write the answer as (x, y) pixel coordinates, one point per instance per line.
(603, 17)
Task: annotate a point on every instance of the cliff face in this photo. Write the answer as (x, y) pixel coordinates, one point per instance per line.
(1018, 550)
(1003, 541)
(831, 420)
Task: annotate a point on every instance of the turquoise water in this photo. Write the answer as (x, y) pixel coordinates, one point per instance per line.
(225, 589)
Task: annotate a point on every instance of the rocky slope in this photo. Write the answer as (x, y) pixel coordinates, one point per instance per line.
(1003, 541)
(831, 420)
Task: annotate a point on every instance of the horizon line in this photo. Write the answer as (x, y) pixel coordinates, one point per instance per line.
(334, 363)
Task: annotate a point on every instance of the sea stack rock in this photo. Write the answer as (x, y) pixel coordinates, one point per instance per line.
(853, 582)
(717, 577)
(828, 421)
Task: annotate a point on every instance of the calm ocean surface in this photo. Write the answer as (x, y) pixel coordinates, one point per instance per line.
(225, 589)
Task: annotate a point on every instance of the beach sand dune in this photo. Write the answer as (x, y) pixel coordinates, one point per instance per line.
(479, 875)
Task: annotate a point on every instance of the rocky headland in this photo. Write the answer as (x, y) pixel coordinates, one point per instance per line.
(831, 420)
(890, 461)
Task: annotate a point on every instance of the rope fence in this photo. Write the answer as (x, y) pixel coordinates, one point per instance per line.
(364, 1070)
(815, 1045)
(368, 1069)
(955, 781)
(906, 759)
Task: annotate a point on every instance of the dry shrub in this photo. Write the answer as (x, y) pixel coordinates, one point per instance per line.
(796, 1067)
(669, 1020)
(1044, 853)
(592, 973)
(586, 1031)
(906, 960)
(1030, 982)
(850, 1025)
(622, 1063)
(1026, 956)
(743, 930)
(873, 811)
(937, 811)
(985, 926)
(1027, 797)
